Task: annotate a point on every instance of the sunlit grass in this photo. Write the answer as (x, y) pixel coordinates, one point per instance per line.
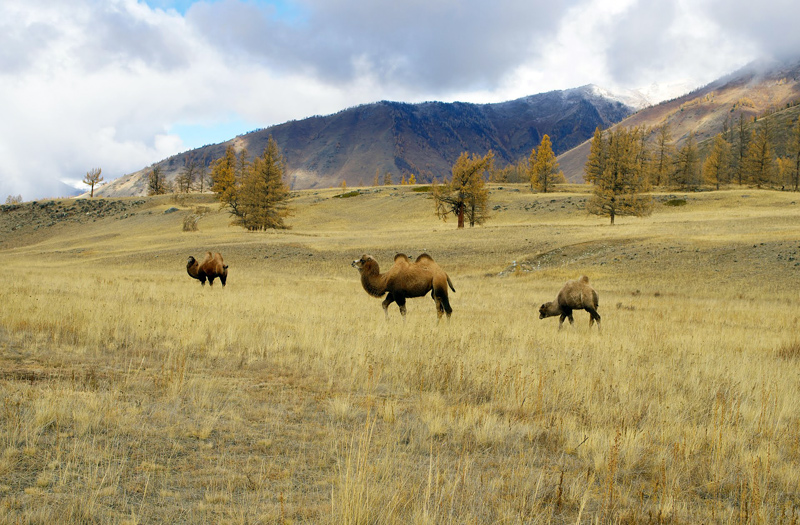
(130, 393)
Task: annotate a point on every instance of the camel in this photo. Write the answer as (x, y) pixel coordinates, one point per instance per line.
(575, 295)
(209, 268)
(404, 280)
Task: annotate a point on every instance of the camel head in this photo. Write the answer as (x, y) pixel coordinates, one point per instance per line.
(360, 263)
(191, 261)
(543, 310)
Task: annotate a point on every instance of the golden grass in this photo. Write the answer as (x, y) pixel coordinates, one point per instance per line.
(130, 394)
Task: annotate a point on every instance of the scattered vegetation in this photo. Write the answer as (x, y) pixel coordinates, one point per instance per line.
(354, 193)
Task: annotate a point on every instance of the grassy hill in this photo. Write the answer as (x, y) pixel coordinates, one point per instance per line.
(132, 394)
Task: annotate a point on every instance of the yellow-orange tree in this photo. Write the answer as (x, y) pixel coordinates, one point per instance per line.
(465, 195)
(544, 170)
(619, 178)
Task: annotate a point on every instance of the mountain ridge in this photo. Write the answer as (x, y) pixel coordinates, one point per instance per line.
(355, 144)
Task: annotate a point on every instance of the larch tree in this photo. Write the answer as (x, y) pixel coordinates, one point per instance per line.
(686, 169)
(613, 169)
(186, 180)
(264, 192)
(157, 184)
(716, 167)
(760, 160)
(544, 169)
(793, 151)
(224, 182)
(742, 146)
(466, 195)
(662, 161)
(92, 179)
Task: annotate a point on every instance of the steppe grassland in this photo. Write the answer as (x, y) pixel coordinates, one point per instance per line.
(131, 394)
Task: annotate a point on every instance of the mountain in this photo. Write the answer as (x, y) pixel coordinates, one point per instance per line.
(757, 89)
(424, 139)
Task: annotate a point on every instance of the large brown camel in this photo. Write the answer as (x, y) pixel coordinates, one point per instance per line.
(209, 268)
(575, 295)
(404, 280)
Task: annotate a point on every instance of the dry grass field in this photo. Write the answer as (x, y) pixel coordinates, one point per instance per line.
(131, 394)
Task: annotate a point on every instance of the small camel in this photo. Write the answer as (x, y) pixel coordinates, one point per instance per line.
(209, 268)
(404, 280)
(575, 295)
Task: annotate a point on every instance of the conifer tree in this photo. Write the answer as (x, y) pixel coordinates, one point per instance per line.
(662, 162)
(619, 184)
(716, 168)
(224, 182)
(742, 144)
(686, 173)
(596, 163)
(760, 162)
(156, 182)
(186, 180)
(793, 151)
(264, 191)
(92, 179)
(544, 170)
(387, 178)
(466, 195)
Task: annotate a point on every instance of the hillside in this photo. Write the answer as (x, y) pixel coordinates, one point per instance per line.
(423, 139)
(752, 91)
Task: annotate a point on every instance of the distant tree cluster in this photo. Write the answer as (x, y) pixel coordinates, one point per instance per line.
(14, 199)
(254, 192)
(764, 153)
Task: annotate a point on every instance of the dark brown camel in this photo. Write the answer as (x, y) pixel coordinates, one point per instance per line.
(209, 268)
(404, 280)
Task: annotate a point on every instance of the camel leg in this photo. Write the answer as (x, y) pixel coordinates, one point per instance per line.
(594, 317)
(561, 320)
(211, 281)
(203, 280)
(386, 302)
(401, 302)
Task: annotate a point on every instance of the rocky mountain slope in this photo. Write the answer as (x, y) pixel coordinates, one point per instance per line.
(424, 139)
(754, 90)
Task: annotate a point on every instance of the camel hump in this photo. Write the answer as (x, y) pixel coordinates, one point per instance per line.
(402, 256)
(424, 257)
(584, 279)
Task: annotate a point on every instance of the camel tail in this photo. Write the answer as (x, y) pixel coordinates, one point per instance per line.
(450, 283)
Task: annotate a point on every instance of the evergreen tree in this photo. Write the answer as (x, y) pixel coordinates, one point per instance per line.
(716, 168)
(686, 173)
(544, 170)
(619, 187)
(387, 178)
(760, 161)
(466, 195)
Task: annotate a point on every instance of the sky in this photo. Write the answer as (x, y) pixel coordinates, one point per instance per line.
(122, 84)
